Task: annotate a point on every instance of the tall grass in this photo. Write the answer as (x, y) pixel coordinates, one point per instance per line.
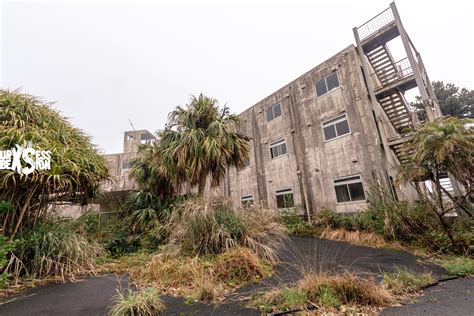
(198, 227)
(54, 249)
(146, 302)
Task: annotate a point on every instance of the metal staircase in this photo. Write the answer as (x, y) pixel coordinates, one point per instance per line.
(390, 79)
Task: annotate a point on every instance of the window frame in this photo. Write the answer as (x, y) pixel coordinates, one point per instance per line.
(278, 143)
(345, 181)
(326, 83)
(285, 192)
(333, 122)
(245, 199)
(272, 108)
(126, 165)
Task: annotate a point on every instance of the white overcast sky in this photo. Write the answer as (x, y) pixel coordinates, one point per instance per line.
(106, 62)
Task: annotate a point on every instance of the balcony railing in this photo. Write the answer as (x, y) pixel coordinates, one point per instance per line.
(402, 70)
(376, 23)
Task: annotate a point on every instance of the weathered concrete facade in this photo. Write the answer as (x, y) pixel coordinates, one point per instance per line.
(312, 163)
(119, 164)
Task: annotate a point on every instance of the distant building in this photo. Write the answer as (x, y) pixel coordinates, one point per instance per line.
(120, 164)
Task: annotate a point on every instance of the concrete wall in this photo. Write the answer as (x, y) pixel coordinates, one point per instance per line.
(312, 162)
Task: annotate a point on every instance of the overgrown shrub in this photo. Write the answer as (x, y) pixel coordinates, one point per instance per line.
(55, 249)
(146, 302)
(198, 227)
(297, 225)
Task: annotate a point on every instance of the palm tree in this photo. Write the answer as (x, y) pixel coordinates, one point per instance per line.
(200, 140)
(203, 141)
(440, 147)
(76, 168)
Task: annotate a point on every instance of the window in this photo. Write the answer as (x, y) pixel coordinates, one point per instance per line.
(129, 137)
(349, 189)
(126, 165)
(246, 201)
(273, 112)
(278, 149)
(336, 127)
(284, 198)
(327, 84)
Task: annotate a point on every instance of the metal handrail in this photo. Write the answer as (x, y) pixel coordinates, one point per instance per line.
(376, 23)
(402, 70)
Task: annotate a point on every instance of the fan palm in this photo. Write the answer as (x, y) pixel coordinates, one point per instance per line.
(76, 167)
(200, 140)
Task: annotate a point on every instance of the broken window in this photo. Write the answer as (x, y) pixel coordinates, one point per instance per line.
(349, 189)
(246, 201)
(278, 149)
(284, 198)
(273, 112)
(336, 127)
(327, 84)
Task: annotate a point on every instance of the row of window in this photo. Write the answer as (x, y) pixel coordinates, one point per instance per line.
(333, 128)
(348, 189)
(323, 86)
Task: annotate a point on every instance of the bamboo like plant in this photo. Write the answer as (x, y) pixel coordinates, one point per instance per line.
(76, 166)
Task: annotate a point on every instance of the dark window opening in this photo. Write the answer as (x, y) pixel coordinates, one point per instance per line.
(336, 127)
(284, 198)
(273, 112)
(349, 189)
(327, 84)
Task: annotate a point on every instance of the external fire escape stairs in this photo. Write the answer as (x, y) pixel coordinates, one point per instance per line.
(388, 80)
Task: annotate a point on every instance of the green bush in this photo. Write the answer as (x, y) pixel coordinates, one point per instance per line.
(5, 252)
(296, 225)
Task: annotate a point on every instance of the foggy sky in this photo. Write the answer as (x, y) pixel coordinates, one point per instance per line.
(106, 63)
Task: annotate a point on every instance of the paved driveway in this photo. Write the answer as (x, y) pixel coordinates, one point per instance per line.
(93, 296)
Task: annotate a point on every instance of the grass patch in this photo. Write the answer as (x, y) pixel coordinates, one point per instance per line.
(200, 228)
(402, 281)
(220, 273)
(54, 249)
(146, 302)
(296, 225)
(356, 237)
(459, 266)
(327, 292)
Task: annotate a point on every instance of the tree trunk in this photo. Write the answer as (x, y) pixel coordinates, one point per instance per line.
(202, 183)
(22, 212)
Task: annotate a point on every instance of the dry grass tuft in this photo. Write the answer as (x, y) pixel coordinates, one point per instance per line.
(355, 237)
(348, 288)
(327, 292)
(198, 227)
(239, 265)
(204, 278)
(402, 281)
(142, 303)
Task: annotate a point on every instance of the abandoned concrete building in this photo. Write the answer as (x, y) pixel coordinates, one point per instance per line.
(326, 138)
